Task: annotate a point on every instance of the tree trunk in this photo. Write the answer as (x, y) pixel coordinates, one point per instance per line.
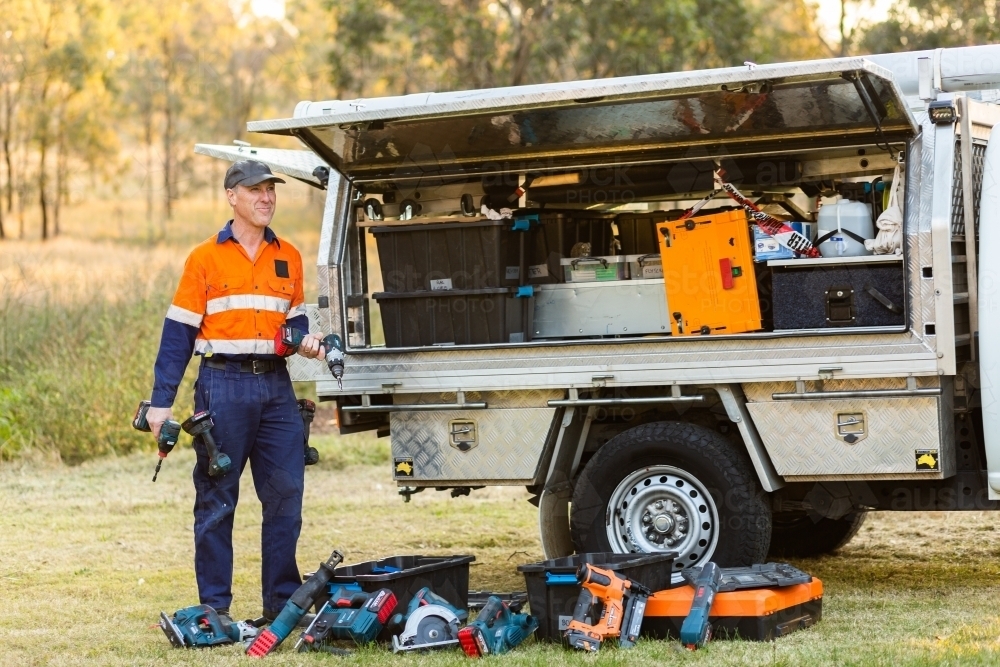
(149, 169)
(42, 149)
(60, 180)
(168, 132)
(8, 114)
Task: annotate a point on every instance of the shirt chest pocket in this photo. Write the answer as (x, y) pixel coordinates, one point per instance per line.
(223, 285)
(283, 287)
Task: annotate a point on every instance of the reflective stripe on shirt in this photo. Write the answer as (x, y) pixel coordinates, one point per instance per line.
(245, 346)
(246, 302)
(183, 316)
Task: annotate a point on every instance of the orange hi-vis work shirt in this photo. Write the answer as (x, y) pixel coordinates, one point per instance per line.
(229, 305)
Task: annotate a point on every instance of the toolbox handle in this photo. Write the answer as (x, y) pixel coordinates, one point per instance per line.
(604, 262)
(645, 258)
(558, 579)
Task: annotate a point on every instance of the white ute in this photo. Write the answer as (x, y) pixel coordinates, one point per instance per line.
(492, 260)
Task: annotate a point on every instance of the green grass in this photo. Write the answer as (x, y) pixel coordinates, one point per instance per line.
(91, 554)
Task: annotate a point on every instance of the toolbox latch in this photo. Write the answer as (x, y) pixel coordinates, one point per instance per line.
(840, 309)
(463, 434)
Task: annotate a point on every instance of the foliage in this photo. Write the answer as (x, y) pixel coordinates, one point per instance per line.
(405, 46)
(71, 373)
(925, 24)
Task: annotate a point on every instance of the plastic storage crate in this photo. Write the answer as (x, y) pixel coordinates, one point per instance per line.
(448, 576)
(450, 256)
(455, 317)
(637, 231)
(551, 235)
(553, 588)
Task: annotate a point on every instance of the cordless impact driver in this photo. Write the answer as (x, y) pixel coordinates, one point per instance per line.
(165, 442)
(200, 424)
(307, 410)
(609, 606)
(288, 339)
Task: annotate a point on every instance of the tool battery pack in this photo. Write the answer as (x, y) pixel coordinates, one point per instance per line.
(758, 614)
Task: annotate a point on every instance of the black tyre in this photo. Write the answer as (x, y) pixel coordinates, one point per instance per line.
(798, 535)
(670, 486)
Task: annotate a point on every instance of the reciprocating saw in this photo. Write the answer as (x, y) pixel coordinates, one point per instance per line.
(295, 608)
(288, 339)
(609, 606)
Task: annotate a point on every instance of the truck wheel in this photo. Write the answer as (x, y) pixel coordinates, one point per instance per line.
(670, 486)
(797, 535)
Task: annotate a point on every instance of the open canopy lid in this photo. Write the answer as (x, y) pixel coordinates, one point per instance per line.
(624, 120)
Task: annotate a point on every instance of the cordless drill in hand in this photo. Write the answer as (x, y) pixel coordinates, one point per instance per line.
(165, 442)
(288, 339)
(200, 424)
(609, 606)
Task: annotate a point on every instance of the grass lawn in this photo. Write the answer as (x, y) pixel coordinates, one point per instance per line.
(90, 555)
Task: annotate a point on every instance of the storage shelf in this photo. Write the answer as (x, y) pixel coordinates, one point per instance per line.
(426, 220)
(822, 261)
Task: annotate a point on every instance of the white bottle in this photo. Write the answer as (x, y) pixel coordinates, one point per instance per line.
(835, 220)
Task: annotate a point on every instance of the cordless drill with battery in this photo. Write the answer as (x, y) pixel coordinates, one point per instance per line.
(609, 606)
(350, 613)
(165, 442)
(200, 424)
(288, 339)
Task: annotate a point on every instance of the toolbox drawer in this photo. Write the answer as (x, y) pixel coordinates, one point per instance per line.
(628, 308)
(841, 295)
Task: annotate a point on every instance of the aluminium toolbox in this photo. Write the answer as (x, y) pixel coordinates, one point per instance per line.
(553, 587)
(758, 614)
(551, 236)
(455, 317)
(625, 308)
(448, 576)
(594, 269)
(459, 256)
(824, 296)
(709, 273)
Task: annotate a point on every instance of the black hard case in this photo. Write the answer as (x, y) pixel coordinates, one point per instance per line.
(800, 296)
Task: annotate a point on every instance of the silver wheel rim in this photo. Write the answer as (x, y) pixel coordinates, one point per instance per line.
(662, 508)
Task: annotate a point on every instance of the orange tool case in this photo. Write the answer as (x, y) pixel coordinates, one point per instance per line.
(708, 271)
(759, 614)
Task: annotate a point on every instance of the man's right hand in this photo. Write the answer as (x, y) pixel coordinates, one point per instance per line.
(156, 417)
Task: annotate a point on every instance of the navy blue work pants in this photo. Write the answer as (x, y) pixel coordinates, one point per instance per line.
(256, 420)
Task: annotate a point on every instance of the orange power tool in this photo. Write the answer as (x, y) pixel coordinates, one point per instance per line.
(609, 606)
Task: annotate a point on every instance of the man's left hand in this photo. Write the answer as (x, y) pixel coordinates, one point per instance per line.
(311, 346)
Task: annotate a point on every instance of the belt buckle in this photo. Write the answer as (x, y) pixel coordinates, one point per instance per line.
(262, 369)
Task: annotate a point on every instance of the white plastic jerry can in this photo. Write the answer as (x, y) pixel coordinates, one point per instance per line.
(843, 228)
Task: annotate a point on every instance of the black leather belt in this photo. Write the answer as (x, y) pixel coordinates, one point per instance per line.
(255, 366)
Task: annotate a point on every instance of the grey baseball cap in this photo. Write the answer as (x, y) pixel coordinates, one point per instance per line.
(249, 172)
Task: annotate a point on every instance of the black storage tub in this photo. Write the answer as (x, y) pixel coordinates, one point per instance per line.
(552, 593)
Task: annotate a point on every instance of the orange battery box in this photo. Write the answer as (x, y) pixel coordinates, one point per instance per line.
(759, 614)
(709, 275)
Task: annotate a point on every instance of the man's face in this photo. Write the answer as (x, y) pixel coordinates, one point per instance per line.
(254, 204)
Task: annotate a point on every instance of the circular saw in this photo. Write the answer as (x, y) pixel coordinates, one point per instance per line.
(427, 627)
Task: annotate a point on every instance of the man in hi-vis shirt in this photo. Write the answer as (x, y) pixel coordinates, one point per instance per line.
(237, 289)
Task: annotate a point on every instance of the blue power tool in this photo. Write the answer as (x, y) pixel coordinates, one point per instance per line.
(495, 630)
(295, 608)
(202, 627)
(696, 629)
(430, 622)
(350, 613)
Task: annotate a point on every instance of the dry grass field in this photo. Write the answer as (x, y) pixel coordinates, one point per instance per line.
(89, 556)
